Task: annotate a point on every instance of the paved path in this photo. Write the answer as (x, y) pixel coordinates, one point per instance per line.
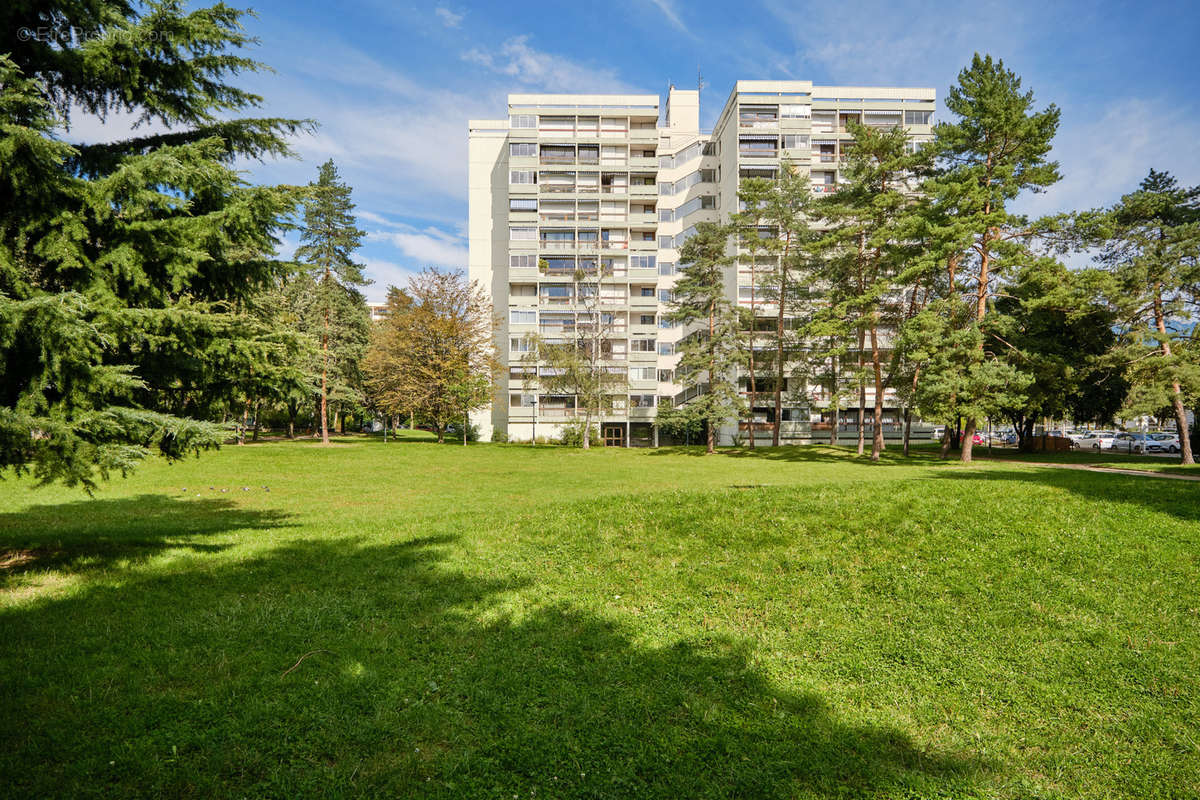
(1141, 473)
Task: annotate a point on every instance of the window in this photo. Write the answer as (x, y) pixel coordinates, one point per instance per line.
(522, 290)
(666, 375)
(641, 262)
(518, 149)
(520, 400)
(666, 242)
(666, 322)
(666, 296)
(644, 373)
(522, 234)
(918, 117)
(646, 319)
(521, 373)
(667, 188)
(795, 141)
(643, 345)
(666, 348)
(522, 176)
(666, 268)
(522, 121)
(522, 318)
(795, 111)
(647, 291)
(666, 215)
(518, 345)
(641, 401)
(522, 204)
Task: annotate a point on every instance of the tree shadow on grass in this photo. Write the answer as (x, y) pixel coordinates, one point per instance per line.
(816, 454)
(420, 680)
(92, 534)
(1174, 498)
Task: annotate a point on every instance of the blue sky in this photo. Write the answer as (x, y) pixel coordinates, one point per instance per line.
(393, 84)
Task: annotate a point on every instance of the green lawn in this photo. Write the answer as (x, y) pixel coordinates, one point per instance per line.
(506, 621)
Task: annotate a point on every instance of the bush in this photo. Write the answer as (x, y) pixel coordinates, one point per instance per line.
(454, 430)
(499, 437)
(572, 435)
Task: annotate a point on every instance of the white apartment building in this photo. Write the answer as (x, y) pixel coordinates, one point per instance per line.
(617, 183)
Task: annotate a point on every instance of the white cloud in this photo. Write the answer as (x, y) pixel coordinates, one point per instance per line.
(546, 71)
(383, 274)
(667, 7)
(1106, 156)
(426, 246)
(448, 17)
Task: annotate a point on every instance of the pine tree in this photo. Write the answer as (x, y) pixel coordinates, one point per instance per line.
(997, 148)
(875, 272)
(127, 268)
(1153, 251)
(711, 353)
(776, 222)
(328, 241)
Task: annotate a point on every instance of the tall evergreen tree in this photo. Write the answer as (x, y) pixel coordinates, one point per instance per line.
(875, 271)
(776, 222)
(329, 238)
(1153, 251)
(997, 147)
(711, 353)
(126, 268)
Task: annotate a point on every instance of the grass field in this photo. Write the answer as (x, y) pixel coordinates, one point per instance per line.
(409, 620)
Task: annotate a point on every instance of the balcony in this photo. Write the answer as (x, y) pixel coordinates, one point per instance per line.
(549, 244)
(556, 188)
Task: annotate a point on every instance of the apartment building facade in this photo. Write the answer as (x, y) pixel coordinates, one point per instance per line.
(578, 205)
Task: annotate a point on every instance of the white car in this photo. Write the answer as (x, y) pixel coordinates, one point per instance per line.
(1096, 440)
(1077, 436)
(1168, 441)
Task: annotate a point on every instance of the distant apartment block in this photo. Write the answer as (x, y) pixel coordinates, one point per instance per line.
(566, 185)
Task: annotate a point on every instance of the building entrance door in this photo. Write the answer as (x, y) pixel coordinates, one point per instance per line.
(614, 435)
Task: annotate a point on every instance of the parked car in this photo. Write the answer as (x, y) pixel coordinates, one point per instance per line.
(1168, 441)
(1077, 436)
(1096, 440)
(1135, 443)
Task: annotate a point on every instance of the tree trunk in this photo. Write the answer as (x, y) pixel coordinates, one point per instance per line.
(946, 441)
(1181, 426)
(862, 392)
(441, 432)
(968, 440)
(753, 336)
(466, 425)
(587, 430)
(325, 375)
(257, 427)
(877, 433)
(834, 405)
(907, 429)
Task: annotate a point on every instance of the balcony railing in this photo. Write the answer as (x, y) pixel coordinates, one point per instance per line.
(557, 188)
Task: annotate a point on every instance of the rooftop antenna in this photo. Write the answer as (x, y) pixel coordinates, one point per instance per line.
(699, 79)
